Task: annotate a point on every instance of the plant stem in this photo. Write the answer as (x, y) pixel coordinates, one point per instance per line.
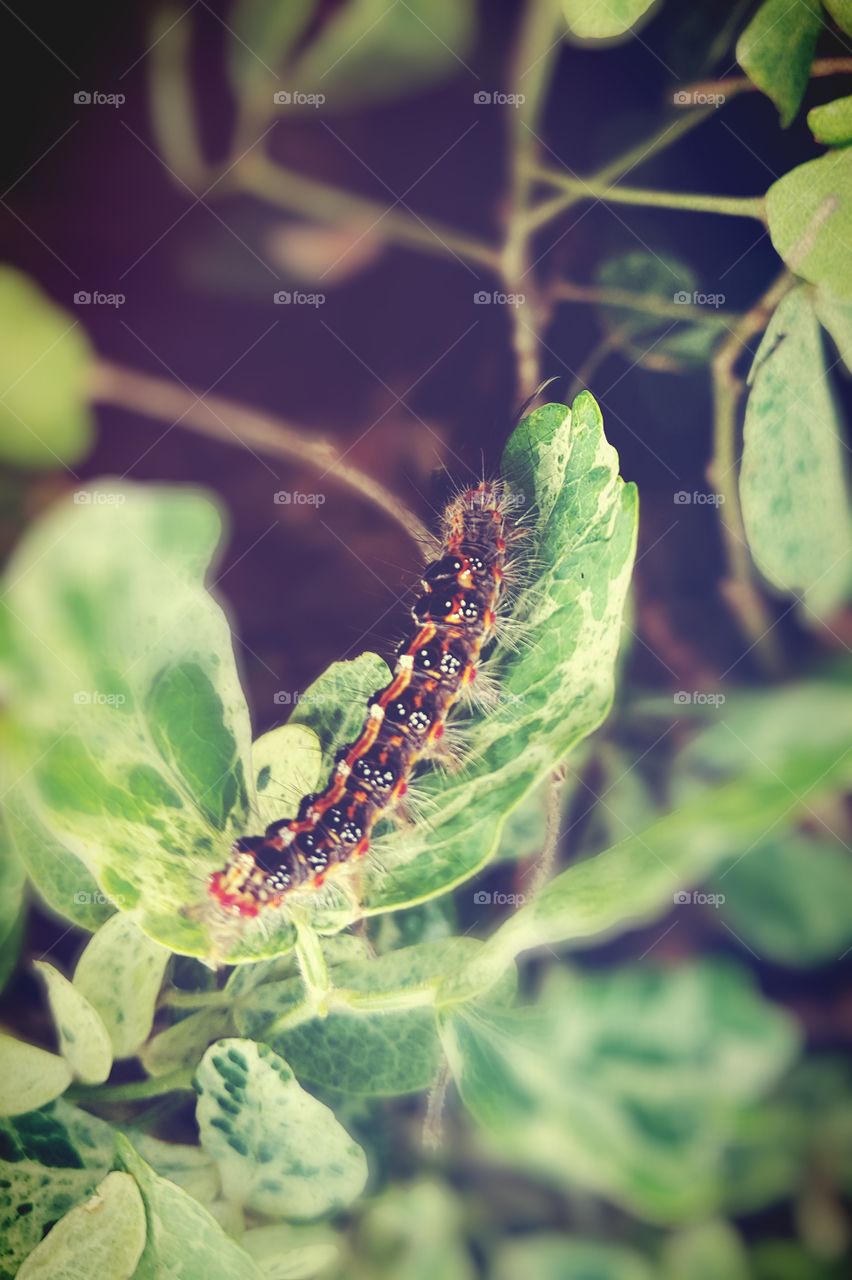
(650, 303)
(593, 189)
(636, 155)
(259, 176)
(530, 78)
(152, 1087)
(236, 424)
(195, 999)
(732, 85)
(740, 590)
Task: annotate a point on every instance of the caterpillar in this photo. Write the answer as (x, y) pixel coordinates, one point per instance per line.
(454, 619)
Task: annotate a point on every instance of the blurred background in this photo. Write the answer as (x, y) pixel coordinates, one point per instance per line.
(314, 211)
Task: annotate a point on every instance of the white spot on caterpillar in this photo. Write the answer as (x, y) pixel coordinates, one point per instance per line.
(405, 662)
(377, 712)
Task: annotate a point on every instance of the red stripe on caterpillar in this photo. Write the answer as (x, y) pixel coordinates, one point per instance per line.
(454, 620)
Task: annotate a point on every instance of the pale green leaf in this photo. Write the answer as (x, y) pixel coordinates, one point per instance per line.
(841, 12)
(414, 1231)
(183, 1043)
(790, 900)
(59, 877)
(280, 1152)
(836, 316)
(794, 497)
(32, 1198)
(368, 50)
(376, 1046)
(12, 882)
(264, 33)
(624, 1082)
(708, 1251)
(120, 973)
(554, 1257)
(105, 1236)
(558, 687)
(29, 1076)
(286, 763)
(184, 1242)
(44, 368)
(83, 1039)
(777, 48)
(137, 740)
(335, 705)
(831, 124)
(810, 220)
(638, 879)
(603, 19)
(285, 1252)
(189, 1167)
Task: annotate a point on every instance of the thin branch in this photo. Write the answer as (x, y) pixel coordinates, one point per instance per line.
(732, 85)
(740, 590)
(649, 303)
(235, 424)
(259, 176)
(591, 189)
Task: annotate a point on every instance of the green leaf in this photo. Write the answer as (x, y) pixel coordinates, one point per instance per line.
(189, 1167)
(137, 738)
(285, 1252)
(368, 51)
(264, 34)
(637, 879)
(841, 12)
(385, 1050)
(603, 19)
(831, 124)
(184, 1242)
(790, 900)
(59, 876)
(626, 1082)
(120, 973)
(53, 1159)
(553, 1257)
(335, 704)
(662, 276)
(44, 369)
(29, 1076)
(183, 1044)
(12, 910)
(287, 764)
(777, 48)
(709, 1251)
(794, 497)
(280, 1152)
(836, 317)
(414, 1231)
(809, 211)
(105, 1236)
(559, 685)
(83, 1039)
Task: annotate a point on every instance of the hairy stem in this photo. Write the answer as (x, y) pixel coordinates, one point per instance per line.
(252, 429)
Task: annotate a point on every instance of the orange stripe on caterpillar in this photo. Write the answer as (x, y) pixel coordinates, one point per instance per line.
(454, 619)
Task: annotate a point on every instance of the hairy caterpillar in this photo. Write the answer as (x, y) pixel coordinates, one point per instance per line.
(454, 619)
